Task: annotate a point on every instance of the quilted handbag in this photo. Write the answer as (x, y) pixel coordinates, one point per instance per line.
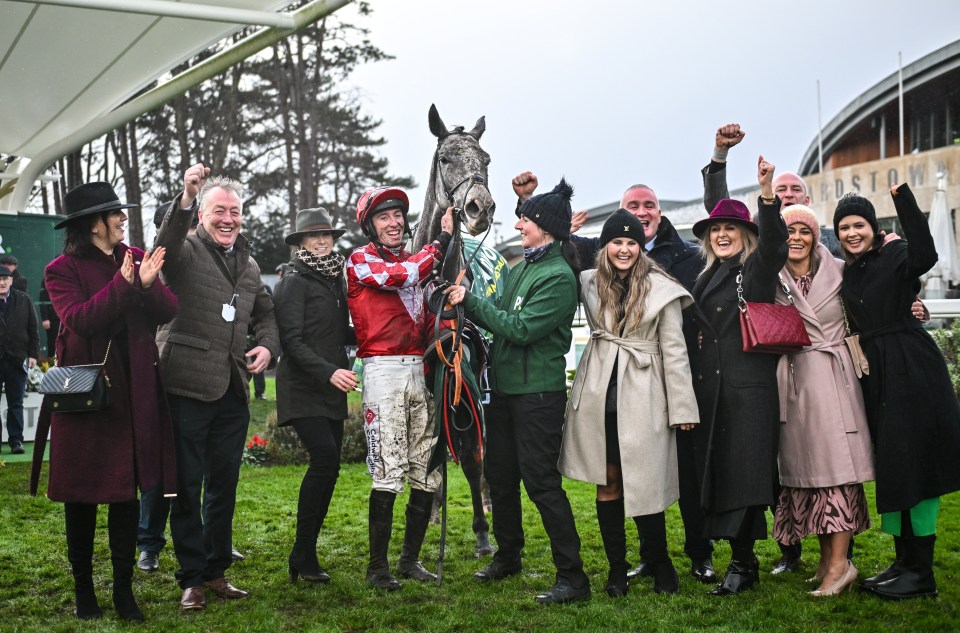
(77, 388)
(771, 328)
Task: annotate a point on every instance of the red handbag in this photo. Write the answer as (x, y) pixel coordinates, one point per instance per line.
(771, 328)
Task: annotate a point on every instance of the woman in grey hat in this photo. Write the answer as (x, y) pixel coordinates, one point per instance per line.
(312, 376)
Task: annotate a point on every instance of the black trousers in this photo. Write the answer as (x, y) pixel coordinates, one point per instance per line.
(524, 434)
(209, 439)
(322, 437)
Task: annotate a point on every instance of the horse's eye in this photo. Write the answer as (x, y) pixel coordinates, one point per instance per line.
(444, 160)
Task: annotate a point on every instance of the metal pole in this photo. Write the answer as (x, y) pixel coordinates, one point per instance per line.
(819, 129)
(306, 15)
(900, 96)
(167, 9)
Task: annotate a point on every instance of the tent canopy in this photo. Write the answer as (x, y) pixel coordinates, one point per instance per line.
(66, 66)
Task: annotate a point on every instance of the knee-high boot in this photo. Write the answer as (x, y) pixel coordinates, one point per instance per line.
(314, 500)
(654, 528)
(418, 517)
(381, 526)
(610, 519)
(916, 579)
(81, 523)
(122, 524)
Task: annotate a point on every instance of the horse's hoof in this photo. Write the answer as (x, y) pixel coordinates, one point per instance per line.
(484, 548)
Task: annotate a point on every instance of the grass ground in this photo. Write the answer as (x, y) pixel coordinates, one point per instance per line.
(36, 595)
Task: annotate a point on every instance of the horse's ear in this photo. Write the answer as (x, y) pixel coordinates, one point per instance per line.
(479, 128)
(436, 123)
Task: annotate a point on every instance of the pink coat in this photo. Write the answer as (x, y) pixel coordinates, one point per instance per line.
(824, 440)
(104, 456)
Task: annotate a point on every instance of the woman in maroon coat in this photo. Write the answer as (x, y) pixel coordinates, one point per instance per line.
(110, 301)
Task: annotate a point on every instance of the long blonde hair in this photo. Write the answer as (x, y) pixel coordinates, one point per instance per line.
(706, 248)
(612, 297)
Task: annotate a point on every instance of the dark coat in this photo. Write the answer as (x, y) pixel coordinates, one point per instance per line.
(736, 441)
(103, 456)
(912, 409)
(201, 354)
(19, 338)
(314, 329)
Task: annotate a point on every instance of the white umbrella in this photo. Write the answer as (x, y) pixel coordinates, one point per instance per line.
(947, 269)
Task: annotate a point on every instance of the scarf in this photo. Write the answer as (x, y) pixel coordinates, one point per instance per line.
(329, 266)
(803, 283)
(535, 253)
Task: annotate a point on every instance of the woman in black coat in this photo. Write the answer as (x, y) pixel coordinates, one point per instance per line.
(736, 443)
(312, 376)
(911, 407)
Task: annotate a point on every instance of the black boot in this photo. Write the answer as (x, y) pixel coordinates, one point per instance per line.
(610, 518)
(655, 554)
(81, 523)
(418, 517)
(312, 508)
(890, 572)
(916, 580)
(122, 528)
(381, 526)
(743, 572)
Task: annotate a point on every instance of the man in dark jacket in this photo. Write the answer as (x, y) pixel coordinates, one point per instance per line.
(19, 281)
(19, 342)
(202, 360)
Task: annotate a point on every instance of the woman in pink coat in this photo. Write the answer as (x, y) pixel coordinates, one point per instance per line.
(110, 301)
(825, 453)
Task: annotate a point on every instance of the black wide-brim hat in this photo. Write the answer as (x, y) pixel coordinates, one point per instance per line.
(93, 197)
(727, 210)
(311, 221)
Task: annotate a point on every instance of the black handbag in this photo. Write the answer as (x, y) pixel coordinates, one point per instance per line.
(77, 388)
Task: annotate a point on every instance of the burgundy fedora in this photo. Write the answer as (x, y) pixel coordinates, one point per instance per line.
(729, 211)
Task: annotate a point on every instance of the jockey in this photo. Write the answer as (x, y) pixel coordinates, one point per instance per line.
(385, 297)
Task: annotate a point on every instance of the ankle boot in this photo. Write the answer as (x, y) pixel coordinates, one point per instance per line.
(381, 525)
(81, 523)
(916, 579)
(419, 508)
(891, 572)
(610, 519)
(122, 529)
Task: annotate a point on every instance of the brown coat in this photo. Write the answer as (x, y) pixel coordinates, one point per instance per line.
(101, 457)
(824, 440)
(201, 354)
(655, 395)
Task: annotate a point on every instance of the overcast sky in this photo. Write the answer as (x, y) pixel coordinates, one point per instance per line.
(614, 92)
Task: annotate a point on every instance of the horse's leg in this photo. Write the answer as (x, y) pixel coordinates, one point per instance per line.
(473, 471)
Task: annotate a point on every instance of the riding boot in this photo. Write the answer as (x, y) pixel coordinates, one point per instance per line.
(122, 523)
(654, 529)
(81, 523)
(418, 517)
(610, 518)
(311, 510)
(916, 580)
(890, 572)
(381, 525)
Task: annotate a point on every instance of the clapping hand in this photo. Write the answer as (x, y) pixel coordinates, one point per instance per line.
(151, 265)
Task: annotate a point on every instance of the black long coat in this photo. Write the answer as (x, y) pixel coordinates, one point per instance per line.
(736, 442)
(312, 317)
(912, 409)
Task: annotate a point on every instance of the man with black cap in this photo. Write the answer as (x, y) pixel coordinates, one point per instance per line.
(19, 349)
(531, 327)
(391, 322)
(204, 365)
(19, 281)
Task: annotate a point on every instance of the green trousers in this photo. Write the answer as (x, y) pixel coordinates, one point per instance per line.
(922, 517)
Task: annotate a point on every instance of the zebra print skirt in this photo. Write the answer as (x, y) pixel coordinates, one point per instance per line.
(803, 511)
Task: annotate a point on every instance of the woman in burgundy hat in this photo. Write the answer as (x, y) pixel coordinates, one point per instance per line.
(736, 441)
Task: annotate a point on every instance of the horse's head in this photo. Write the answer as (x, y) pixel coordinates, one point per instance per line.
(460, 173)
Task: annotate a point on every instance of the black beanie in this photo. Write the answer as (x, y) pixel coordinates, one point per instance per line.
(551, 211)
(622, 223)
(853, 204)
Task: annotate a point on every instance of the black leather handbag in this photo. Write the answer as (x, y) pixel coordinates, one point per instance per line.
(77, 388)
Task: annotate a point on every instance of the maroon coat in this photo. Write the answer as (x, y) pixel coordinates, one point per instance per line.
(103, 456)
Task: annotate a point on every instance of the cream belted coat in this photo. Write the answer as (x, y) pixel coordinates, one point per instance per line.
(824, 439)
(655, 394)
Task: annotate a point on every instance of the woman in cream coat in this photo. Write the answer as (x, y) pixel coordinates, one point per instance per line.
(636, 362)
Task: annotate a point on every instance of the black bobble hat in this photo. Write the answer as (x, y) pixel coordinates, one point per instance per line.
(853, 204)
(622, 223)
(551, 211)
